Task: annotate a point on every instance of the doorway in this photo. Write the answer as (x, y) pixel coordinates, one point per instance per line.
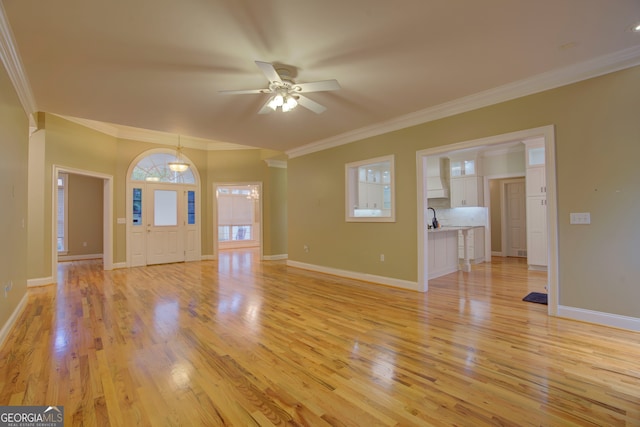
(513, 226)
(107, 214)
(237, 216)
(546, 134)
(163, 211)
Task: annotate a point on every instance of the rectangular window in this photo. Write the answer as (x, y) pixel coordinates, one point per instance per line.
(63, 201)
(234, 233)
(241, 232)
(236, 214)
(369, 190)
(165, 208)
(137, 206)
(191, 207)
(224, 233)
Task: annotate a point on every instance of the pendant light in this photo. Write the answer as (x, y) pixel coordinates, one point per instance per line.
(179, 165)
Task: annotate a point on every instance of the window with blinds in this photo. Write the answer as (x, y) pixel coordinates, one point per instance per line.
(235, 214)
(63, 179)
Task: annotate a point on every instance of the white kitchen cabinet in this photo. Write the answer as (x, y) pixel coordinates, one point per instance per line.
(536, 205)
(370, 195)
(537, 232)
(464, 166)
(442, 248)
(475, 245)
(536, 182)
(467, 192)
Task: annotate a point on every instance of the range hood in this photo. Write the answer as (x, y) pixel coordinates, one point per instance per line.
(437, 178)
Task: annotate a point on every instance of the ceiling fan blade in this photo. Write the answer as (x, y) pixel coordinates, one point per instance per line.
(242, 92)
(269, 71)
(310, 104)
(265, 108)
(320, 86)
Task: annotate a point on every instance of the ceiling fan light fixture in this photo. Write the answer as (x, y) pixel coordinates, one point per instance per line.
(276, 101)
(290, 104)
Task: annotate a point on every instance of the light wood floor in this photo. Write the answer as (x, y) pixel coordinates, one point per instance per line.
(240, 342)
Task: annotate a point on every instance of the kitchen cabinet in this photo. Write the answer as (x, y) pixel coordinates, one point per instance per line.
(467, 192)
(370, 195)
(464, 166)
(537, 232)
(536, 182)
(442, 251)
(475, 245)
(536, 189)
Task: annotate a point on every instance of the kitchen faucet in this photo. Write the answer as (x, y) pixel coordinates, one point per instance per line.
(434, 222)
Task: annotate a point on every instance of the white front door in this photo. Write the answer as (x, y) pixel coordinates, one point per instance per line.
(165, 224)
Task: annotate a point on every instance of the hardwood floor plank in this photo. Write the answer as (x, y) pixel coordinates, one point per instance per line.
(242, 342)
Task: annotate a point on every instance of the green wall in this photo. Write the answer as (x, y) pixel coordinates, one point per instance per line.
(597, 147)
(73, 146)
(14, 137)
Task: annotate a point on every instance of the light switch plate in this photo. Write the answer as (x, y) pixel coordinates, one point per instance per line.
(580, 218)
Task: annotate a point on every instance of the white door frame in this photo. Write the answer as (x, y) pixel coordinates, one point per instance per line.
(216, 185)
(107, 215)
(548, 133)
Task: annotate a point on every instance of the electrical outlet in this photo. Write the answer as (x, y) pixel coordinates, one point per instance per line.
(382, 257)
(7, 288)
(306, 248)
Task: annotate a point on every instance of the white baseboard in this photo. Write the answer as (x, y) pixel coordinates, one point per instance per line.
(208, 258)
(600, 318)
(496, 253)
(389, 281)
(275, 257)
(4, 332)
(79, 257)
(117, 265)
(42, 281)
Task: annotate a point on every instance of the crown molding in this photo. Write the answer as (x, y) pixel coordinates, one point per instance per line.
(154, 137)
(13, 64)
(550, 80)
(282, 164)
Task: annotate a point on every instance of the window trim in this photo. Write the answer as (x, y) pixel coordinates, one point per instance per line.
(353, 191)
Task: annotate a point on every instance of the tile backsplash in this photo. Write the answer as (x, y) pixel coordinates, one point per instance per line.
(459, 216)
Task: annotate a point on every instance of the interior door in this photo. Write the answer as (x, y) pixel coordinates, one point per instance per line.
(516, 219)
(165, 233)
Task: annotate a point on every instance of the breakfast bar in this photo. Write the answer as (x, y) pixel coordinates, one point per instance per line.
(442, 248)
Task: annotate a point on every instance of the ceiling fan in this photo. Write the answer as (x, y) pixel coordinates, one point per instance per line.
(285, 93)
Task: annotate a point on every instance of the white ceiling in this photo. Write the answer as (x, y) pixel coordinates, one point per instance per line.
(159, 64)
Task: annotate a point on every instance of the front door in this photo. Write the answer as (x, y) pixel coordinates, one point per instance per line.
(165, 233)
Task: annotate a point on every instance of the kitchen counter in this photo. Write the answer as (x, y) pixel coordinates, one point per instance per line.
(453, 228)
(442, 240)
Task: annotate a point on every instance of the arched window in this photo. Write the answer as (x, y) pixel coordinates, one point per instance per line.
(154, 168)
